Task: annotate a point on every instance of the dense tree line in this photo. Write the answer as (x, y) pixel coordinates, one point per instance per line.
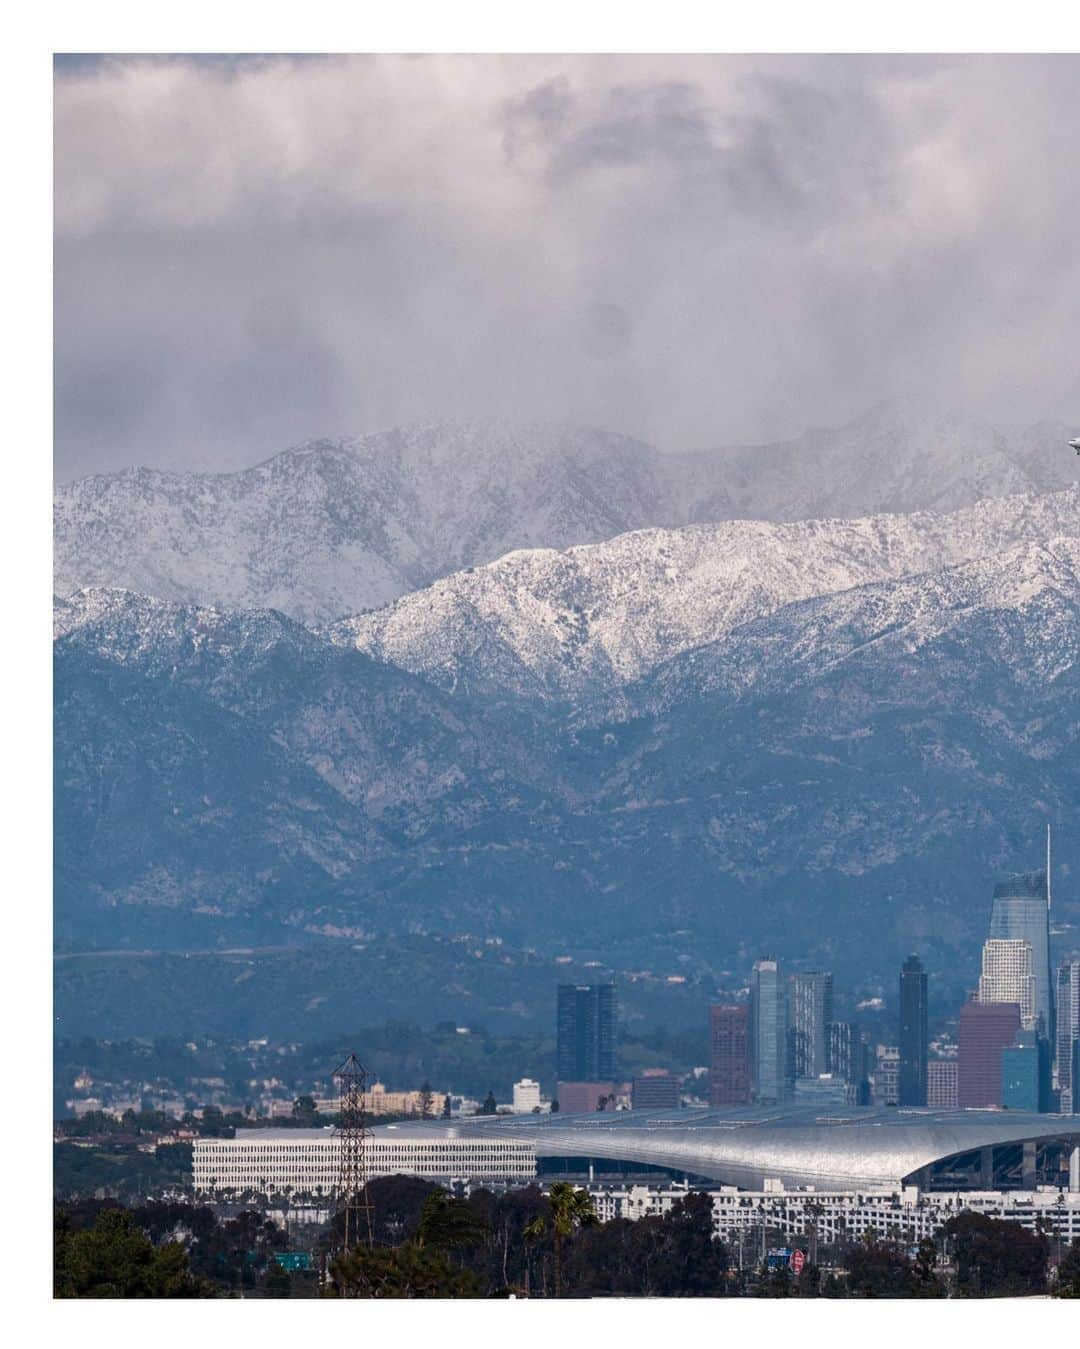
(102, 1249)
(430, 1243)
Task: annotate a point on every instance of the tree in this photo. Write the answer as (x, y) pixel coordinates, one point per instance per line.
(881, 1268)
(446, 1106)
(278, 1281)
(304, 1110)
(427, 1100)
(114, 1259)
(1068, 1274)
(489, 1107)
(692, 1262)
(406, 1271)
(995, 1258)
(570, 1209)
(446, 1223)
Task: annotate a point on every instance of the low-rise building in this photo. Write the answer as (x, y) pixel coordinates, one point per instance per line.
(306, 1161)
(526, 1096)
(378, 1101)
(906, 1212)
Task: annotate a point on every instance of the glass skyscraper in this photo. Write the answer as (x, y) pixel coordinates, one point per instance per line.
(914, 1033)
(810, 1010)
(1068, 1029)
(729, 1071)
(1021, 911)
(585, 1042)
(768, 1033)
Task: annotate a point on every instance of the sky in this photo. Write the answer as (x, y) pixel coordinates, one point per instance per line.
(253, 252)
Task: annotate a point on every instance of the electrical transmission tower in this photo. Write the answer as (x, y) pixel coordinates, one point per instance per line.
(352, 1193)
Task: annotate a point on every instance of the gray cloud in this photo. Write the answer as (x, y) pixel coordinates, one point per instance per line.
(695, 250)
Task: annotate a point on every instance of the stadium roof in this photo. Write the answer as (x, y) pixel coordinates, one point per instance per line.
(844, 1149)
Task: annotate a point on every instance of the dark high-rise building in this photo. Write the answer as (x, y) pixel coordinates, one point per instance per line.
(585, 1043)
(655, 1089)
(914, 1033)
(1022, 911)
(810, 1009)
(848, 1058)
(729, 1070)
(986, 1028)
(1068, 1028)
(768, 1033)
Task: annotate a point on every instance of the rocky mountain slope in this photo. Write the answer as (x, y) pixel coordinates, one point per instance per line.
(335, 527)
(583, 624)
(834, 779)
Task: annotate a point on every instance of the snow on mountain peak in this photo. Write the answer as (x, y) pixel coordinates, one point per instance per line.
(336, 526)
(601, 616)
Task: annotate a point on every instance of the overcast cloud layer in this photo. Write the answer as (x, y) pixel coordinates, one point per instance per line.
(693, 250)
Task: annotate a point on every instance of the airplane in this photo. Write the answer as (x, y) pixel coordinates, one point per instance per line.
(1075, 444)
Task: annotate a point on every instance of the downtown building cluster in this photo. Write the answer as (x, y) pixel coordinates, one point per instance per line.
(1018, 1041)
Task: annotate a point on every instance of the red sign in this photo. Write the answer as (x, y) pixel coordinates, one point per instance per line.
(798, 1259)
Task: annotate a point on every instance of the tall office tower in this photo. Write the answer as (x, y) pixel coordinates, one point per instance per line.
(986, 1028)
(914, 1033)
(729, 1070)
(585, 1049)
(1022, 910)
(768, 1033)
(1007, 976)
(1068, 1029)
(848, 1053)
(810, 1009)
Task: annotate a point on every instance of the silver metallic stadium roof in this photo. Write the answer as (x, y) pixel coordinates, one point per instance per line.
(846, 1149)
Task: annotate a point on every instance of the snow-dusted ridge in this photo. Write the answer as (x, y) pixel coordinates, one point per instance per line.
(602, 616)
(335, 527)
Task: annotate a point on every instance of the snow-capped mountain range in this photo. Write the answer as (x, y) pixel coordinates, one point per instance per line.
(579, 720)
(592, 619)
(335, 527)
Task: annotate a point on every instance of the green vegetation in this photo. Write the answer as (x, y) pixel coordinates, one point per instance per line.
(104, 1250)
(119, 1169)
(115, 1259)
(430, 1243)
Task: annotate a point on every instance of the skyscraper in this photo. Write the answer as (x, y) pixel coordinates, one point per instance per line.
(810, 1006)
(1007, 976)
(1068, 1030)
(914, 1033)
(729, 1071)
(585, 1050)
(1022, 910)
(848, 1054)
(986, 1028)
(768, 1033)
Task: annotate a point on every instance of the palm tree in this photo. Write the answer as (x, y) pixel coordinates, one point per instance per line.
(570, 1209)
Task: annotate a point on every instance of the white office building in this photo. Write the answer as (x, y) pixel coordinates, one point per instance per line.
(306, 1161)
(526, 1096)
(1007, 976)
(905, 1213)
